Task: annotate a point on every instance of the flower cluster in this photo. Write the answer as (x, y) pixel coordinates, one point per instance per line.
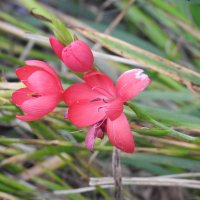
(95, 102)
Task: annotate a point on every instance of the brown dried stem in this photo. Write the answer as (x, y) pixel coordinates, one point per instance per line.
(116, 167)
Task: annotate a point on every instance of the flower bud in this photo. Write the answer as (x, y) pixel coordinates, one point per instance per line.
(78, 56)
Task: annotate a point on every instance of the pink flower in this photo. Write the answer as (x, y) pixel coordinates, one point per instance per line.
(98, 103)
(77, 55)
(42, 93)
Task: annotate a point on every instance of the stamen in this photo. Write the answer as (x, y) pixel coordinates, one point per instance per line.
(106, 100)
(101, 99)
(36, 95)
(99, 108)
(97, 99)
(100, 123)
(33, 95)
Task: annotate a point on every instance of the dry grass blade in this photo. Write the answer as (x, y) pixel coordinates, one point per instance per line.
(88, 33)
(43, 39)
(5, 196)
(119, 17)
(160, 141)
(115, 22)
(11, 29)
(14, 159)
(10, 86)
(51, 163)
(84, 29)
(148, 181)
(14, 30)
(183, 175)
(187, 27)
(93, 182)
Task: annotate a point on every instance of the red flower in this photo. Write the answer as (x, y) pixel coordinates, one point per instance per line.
(42, 93)
(98, 103)
(77, 55)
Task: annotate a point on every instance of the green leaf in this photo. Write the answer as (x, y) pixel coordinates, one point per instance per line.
(12, 59)
(164, 160)
(144, 58)
(171, 8)
(15, 184)
(167, 96)
(54, 186)
(43, 131)
(171, 117)
(147, 166)
(150, 28)
(17, 22)
(61, 32)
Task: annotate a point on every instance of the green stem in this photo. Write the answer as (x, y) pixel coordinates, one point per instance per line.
(173, 133)
(6, 93)
(12, 59)
(42, 142)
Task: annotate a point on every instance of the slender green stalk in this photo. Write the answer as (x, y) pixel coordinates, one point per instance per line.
(42, 142)
(12, 59)
(173, 133)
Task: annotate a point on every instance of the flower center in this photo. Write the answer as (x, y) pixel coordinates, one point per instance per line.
(33, 94)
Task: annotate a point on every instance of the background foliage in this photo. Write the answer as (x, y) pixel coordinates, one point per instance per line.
(39, 158)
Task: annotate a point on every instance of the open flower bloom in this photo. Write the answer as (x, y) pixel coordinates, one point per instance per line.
(77, 55)
(42, 93)
(98, 103)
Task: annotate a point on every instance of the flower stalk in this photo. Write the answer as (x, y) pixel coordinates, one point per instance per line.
(172, 133)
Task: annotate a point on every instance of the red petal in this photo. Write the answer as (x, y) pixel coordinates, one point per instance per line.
(79, 92)
(78, 56)
(24, 72)
(56, 46)
(86, 114)
(131, 83)
(114, 109)
(101, 83)
(38, 80)
(28, 117)
(119, 134)
(21, 95)
(43, 65)
(39, 106)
